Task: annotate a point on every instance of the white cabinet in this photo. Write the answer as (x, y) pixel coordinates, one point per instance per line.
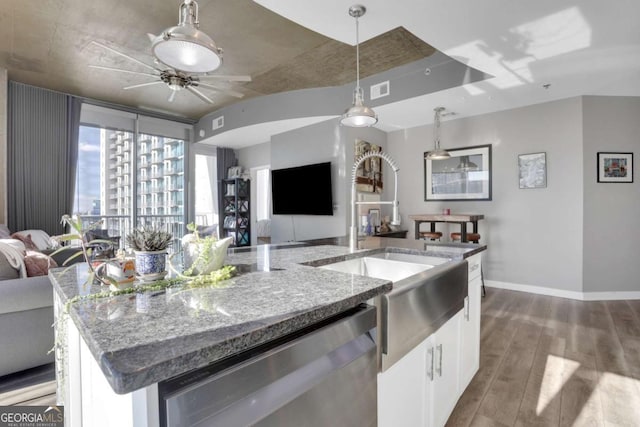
(442, 385)
(402, 390)
(421, 389)
(470, 326)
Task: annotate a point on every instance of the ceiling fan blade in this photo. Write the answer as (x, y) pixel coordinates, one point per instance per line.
(221, 89)
(124, 55)
(199, 94)
(173, 95)
(228, 78)
(143, 85)
(120, 70)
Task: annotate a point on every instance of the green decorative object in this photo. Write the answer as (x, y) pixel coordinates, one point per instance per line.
(150, 247)
(148, 239)
(203, 255)
(78, 233)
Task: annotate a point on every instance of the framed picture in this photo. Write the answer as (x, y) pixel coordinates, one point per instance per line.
(374, 217)
(615, 167)
(466, 175)
(234, 172)
(532, 170)
(369, 173)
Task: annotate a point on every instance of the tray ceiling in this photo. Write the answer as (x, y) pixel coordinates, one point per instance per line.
(47, 44)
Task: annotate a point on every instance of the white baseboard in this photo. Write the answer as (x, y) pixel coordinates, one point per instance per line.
(581, 296)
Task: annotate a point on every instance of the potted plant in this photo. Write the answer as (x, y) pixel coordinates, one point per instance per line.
(150, 248)
(203, 255)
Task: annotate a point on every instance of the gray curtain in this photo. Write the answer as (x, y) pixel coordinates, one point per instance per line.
(225, 158)
(42, 152)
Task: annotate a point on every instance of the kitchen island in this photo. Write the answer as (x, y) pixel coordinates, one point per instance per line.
(118, 349)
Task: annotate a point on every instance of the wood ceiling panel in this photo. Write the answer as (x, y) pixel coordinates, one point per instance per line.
(334, 63)
(54, 52)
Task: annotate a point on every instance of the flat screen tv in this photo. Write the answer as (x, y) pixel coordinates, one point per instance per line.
(303, 190)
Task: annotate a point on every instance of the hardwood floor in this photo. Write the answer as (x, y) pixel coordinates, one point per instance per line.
(544, 361)
(547, 361)
(35, 386)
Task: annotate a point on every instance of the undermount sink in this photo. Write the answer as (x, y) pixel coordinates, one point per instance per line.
(387, 266)
(427, 291)
(378, 268)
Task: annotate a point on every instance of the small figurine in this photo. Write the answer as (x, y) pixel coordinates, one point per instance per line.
(384, 227)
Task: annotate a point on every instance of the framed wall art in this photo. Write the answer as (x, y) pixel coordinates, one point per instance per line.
(532, 170)
(466, 175)
(369, 173)
(234, 172)
(374, 217)
(615, 167)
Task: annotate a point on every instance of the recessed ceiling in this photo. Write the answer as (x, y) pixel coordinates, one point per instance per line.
(580, 47)
(49, 45)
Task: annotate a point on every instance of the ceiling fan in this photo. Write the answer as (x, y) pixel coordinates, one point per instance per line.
(176, 80)
(184, 55)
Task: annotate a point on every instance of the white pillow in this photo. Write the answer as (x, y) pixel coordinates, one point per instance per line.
(39, 237)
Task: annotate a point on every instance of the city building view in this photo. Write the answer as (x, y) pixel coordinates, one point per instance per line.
(107, 161)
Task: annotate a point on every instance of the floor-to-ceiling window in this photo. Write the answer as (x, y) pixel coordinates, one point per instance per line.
(131, 172)
(204, 188)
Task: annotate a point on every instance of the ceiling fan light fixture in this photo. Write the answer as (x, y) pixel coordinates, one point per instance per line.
(358, 115)
(186, 48)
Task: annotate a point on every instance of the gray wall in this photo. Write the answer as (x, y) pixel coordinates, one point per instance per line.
(611, 211)
(254, 156)
(534, 236)
(321, 142)
(407, 81)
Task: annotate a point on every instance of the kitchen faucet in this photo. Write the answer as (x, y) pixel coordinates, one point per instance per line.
(353, 231)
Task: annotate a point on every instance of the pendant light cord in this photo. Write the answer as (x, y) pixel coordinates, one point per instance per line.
(357, 53)
(436, 129)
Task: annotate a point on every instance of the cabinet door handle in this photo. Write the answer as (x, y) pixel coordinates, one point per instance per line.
(466, 308)
(430, 371)
(474, 267)
(439, 368)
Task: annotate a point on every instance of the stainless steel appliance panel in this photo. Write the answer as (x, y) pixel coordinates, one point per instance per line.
(326, 377)
(418, 306)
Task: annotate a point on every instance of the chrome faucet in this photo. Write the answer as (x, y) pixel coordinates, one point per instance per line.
(353, 231)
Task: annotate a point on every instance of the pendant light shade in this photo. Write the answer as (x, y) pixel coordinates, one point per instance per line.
(437, 153)
(358, 115)
(466, 165)
(186, 48)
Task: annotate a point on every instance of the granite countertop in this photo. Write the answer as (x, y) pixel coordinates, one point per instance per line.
(143, 338)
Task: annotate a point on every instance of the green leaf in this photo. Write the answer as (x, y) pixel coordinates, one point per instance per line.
(71, 258)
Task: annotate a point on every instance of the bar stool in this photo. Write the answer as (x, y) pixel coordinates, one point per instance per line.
(430, 235)
(475, 238)
(471, 237)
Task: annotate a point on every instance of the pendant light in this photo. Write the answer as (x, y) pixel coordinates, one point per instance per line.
(358, 115)
(186, 48)
(466, 165)
(437, 153)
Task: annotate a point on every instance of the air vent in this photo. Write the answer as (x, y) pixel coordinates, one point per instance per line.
(380, 90)
(218, 122)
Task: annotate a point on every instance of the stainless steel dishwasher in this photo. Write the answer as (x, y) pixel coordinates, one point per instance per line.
(319, 377)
